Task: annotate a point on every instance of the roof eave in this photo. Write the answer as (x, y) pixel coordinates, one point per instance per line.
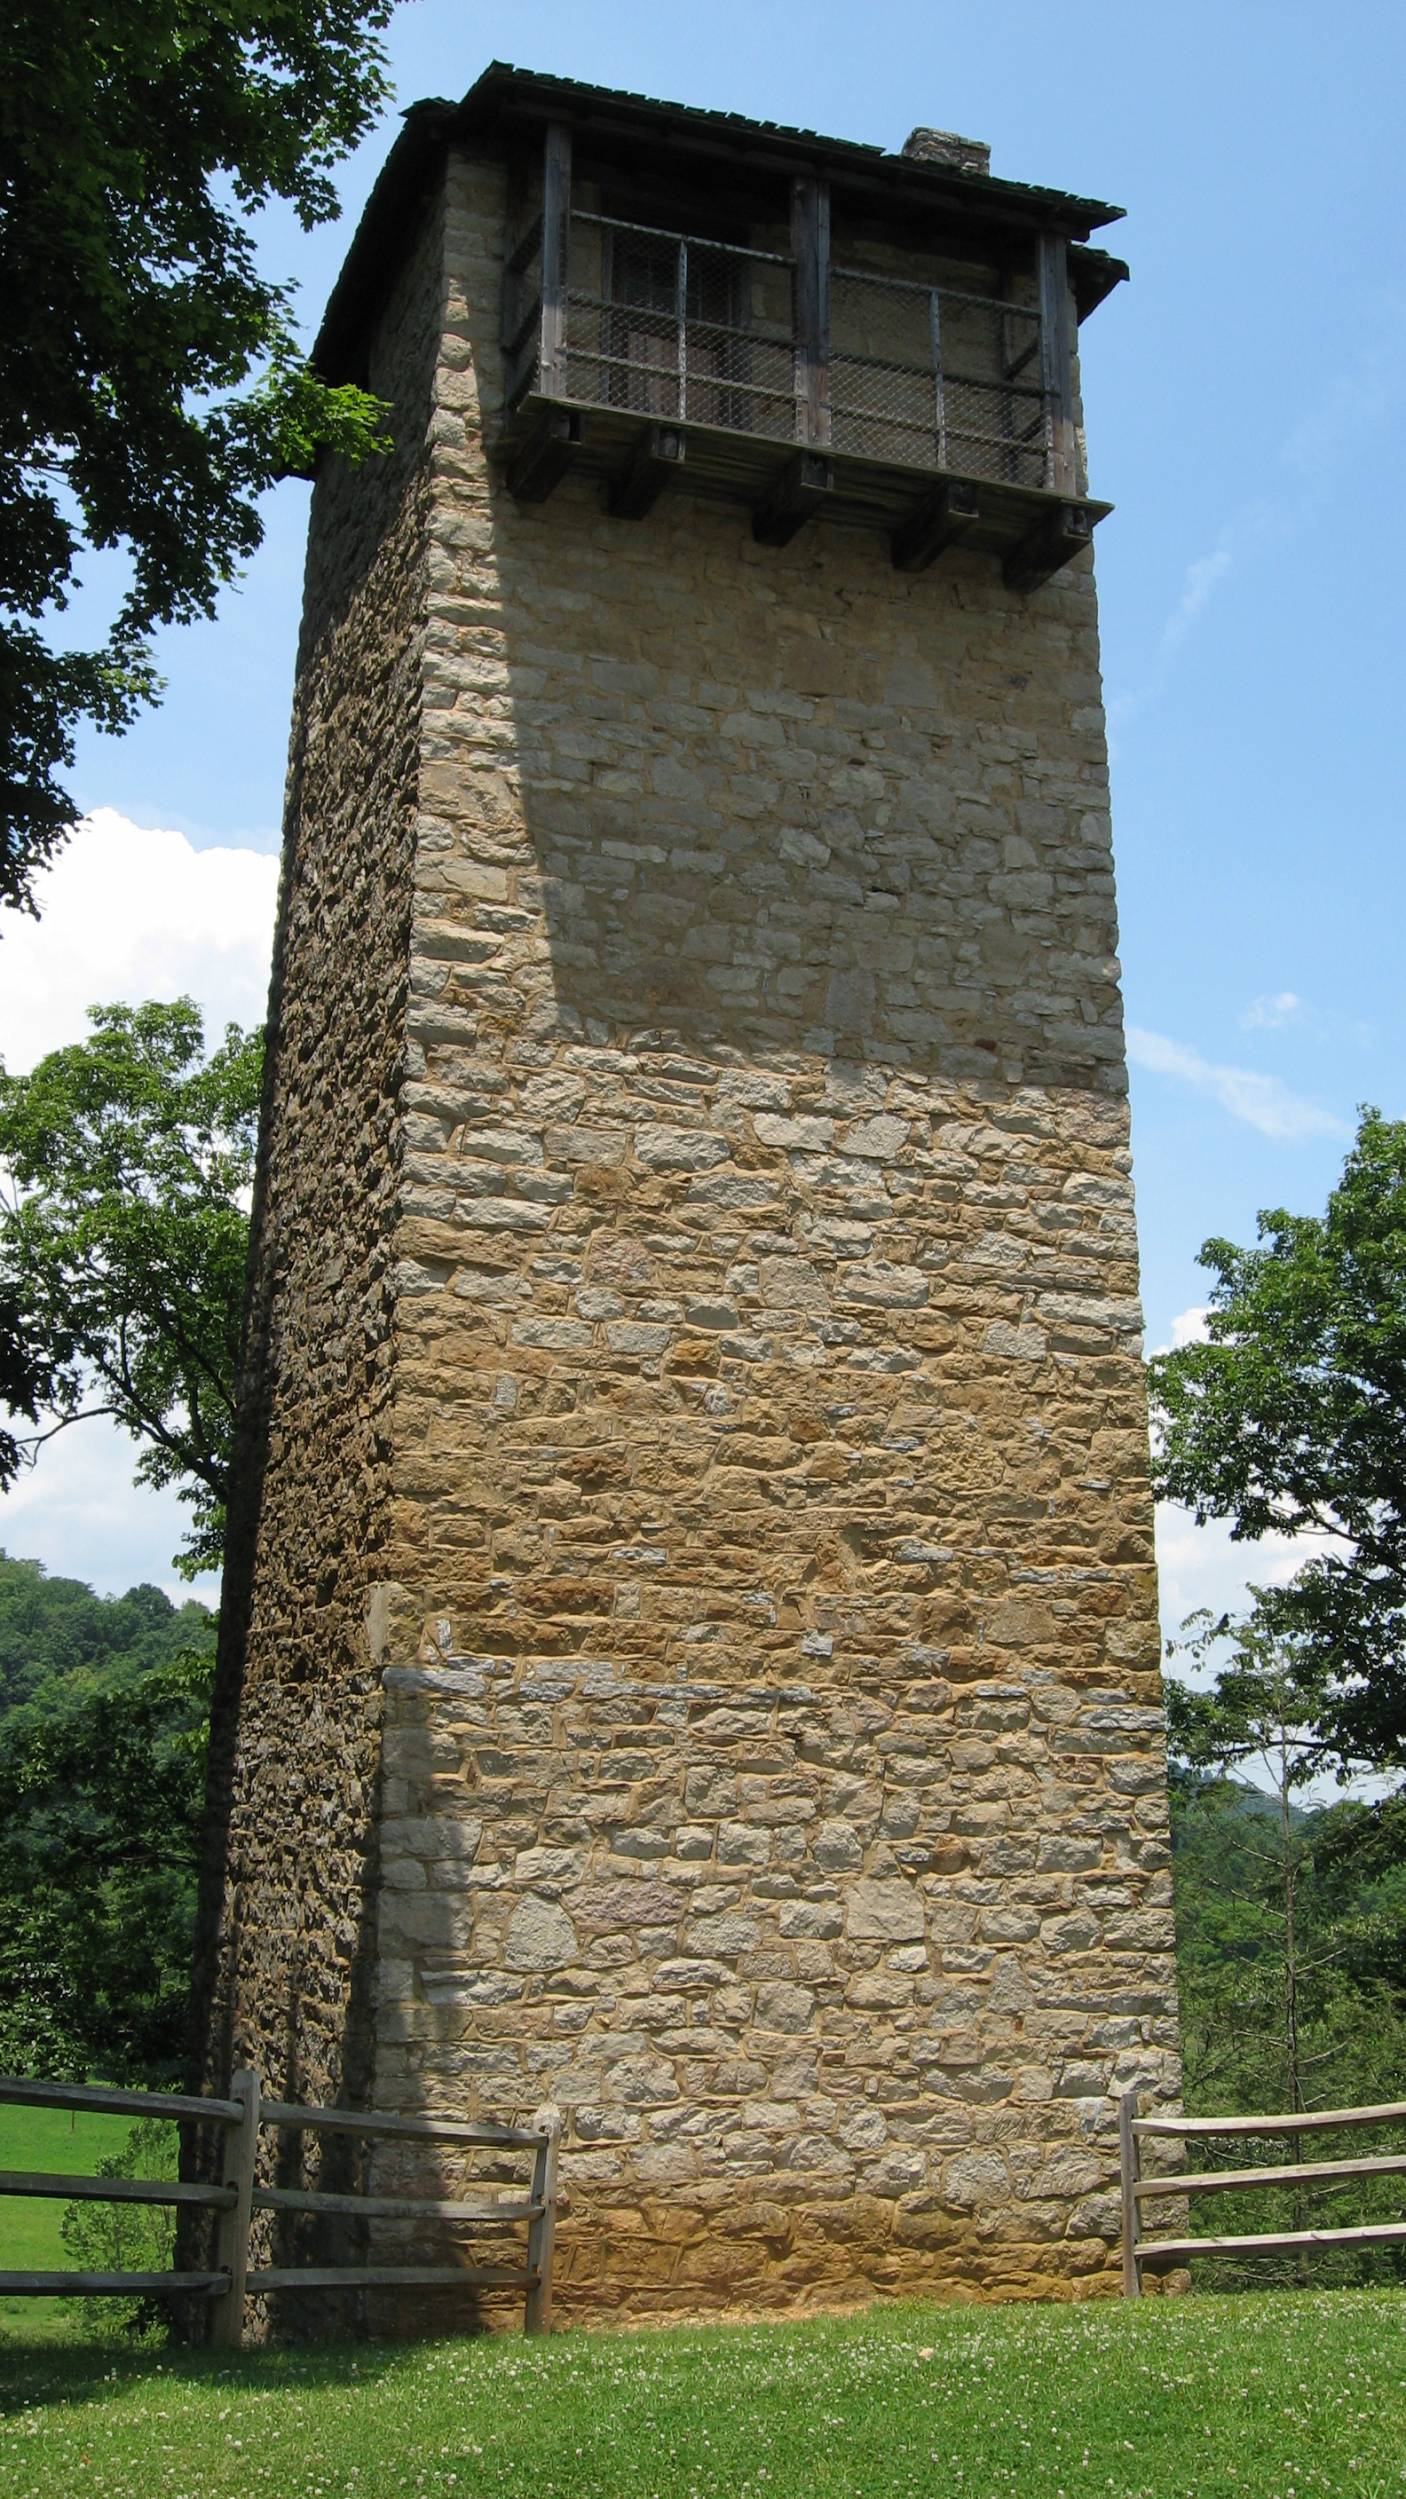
(504, 99)
(505, 95)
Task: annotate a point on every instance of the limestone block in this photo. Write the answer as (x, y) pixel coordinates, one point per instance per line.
(884, 1911)
(540, 1935)
(785, 2008)
(664, 1148)
(975, 2180)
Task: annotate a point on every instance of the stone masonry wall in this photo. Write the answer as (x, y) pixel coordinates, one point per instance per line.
(772, 1773)
(287, 1942)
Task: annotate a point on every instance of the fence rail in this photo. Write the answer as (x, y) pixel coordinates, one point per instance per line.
(1139, 2251)
(237, 2196)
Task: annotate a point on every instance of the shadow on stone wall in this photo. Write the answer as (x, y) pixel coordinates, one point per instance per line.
(765, 802)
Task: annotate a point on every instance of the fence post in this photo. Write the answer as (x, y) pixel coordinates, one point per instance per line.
(1128, 2164)
(541, 2233)
(232, 2246)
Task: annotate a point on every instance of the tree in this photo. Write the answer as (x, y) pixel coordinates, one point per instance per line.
(52, 1627)
(1291, 1419)
(103, 1708)
(124, 1239)
(1289, 1959)
(1259, 1716)
(102, 1790)
(126, 2238)
(152, 387)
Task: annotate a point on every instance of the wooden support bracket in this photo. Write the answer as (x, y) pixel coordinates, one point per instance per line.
(938, 522)
(790, 500)
(542, 460)
(1068, 529)
(656, 458)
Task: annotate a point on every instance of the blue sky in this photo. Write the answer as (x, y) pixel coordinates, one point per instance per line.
(1246, 405)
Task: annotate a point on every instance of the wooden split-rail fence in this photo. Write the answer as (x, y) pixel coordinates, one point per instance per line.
(1140, 2251)
(235, 2196)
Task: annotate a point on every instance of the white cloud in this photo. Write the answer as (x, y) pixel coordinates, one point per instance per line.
(1255, 526)
(1352, 408)
(1200, 580)
(1261, 1101)
(130, 912)
(1189, 1326)
(1202, 1566)
(1202, 1569)
(1355, 404)
(1268, 1015)
(80, 1514)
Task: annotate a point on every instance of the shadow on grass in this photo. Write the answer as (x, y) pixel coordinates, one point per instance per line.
(35, 2372)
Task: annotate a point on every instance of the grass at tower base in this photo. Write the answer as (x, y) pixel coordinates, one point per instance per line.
(1269, 2397)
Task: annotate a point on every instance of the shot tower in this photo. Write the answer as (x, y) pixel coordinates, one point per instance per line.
(690, 1653)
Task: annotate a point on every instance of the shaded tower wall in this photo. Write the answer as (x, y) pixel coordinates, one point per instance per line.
(287, 1946)
(736, 1499)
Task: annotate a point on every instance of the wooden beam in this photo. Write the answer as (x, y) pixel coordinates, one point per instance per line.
(387, 2278)
(1295, 2174)
(103, 2285)
(937, 522)
(539, 463)
(1302, 2122)
(16, 2091)
(1066, 531)
(556, 228)
(1270, 2243)
(789, 501)
(656, 458)
(117, 2190)
(1057, 362)
(810, 247)
(400, 2129)
(392, 2207)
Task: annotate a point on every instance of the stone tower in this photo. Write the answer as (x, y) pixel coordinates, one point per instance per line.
(690, 1652)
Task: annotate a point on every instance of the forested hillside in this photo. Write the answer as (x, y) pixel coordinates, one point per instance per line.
(57, 1627)
(1291, 1968)
(103, 1705)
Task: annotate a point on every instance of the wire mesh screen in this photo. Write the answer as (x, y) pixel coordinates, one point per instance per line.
(668, 326)
(931, 378)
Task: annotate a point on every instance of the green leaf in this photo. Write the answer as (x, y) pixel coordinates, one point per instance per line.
(149, 392)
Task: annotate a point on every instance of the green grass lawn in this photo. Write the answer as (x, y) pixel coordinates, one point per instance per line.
(72, 2141)
(1257, 2397)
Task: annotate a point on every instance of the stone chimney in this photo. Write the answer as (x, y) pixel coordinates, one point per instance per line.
(943, 147)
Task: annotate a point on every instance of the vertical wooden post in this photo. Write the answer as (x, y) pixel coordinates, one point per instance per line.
(541, 2233)
(556, 222)
(1057, 363)
(810, 247)
(1128, 2164)
(232, 2247)
(522, 312)
(681, 325)
(938, 385)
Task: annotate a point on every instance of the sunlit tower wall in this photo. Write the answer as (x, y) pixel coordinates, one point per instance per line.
(690, 1655)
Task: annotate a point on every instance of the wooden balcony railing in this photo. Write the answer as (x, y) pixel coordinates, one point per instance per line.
(649, 355)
